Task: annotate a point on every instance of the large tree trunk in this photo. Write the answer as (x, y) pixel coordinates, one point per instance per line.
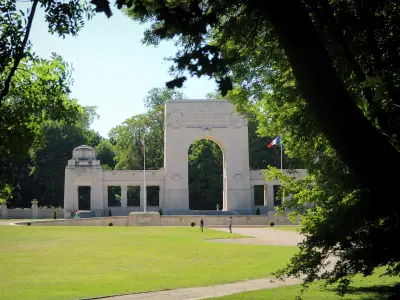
(367, 153)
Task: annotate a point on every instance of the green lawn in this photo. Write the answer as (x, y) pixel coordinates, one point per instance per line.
(77, 262)
(287, 228)
(369, 288)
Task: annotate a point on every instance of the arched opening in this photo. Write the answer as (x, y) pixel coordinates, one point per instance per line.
(206, 173)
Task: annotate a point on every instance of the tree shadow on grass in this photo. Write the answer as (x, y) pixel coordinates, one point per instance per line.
(376, 292)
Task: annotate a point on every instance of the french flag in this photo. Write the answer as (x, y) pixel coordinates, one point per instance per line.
(276, 141)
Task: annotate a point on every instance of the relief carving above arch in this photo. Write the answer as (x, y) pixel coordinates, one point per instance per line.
(175, 119)
(236, 120)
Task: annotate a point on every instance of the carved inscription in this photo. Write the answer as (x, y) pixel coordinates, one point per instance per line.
(207, 119)
(204, 118)
(144, 220)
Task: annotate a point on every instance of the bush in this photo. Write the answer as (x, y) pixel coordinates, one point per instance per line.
(271, 224)
(110, 224)
(54, 215)
(160, 212)
(258, 211)
(28, 224)
(193, 224)
(109, 213)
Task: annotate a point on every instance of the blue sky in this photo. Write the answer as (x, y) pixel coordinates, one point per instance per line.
(112, 68)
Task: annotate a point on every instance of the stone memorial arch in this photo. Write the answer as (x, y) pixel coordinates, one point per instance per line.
(87, 184)
(190, 120)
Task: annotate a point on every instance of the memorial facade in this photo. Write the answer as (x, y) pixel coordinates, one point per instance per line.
(185, 122)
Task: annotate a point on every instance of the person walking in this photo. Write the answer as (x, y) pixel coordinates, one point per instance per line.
(230, 224)
(201, 224)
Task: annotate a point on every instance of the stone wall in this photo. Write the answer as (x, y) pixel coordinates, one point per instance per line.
(26, 213)
(154, 219)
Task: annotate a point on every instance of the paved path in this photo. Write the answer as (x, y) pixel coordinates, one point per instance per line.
(207, 292)
(260, 236)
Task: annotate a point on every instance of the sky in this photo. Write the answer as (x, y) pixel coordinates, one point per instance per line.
(113, 70)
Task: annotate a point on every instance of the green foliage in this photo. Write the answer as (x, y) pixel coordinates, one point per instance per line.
(283, 75)
(105, 153)
(128, 137)
(110, 224)
(37, 96)
(157, 97)
(205, 175)
(271, 224)
(63, 18)
(193, 224)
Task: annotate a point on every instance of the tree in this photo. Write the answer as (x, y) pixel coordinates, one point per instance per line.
(350, 97)
(337, 115)
(39, 93)
(44, 168)
(159, 96)
(205, 175)
(128, 137)
(62, 17)
(48, 161)
(105, 153)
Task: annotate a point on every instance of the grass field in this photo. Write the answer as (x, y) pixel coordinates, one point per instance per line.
(78, 262)
(287, 228)
(369, 288)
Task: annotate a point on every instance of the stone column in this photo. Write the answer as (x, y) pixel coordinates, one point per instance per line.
(269, 196)
(124, 200)
(252, 195)
(35, 209)
(76, 197)
(4, 211)
(161, 196)
(141, 196)
(105, 199)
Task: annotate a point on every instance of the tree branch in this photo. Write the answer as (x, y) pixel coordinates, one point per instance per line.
(346, 128)
(20, 53)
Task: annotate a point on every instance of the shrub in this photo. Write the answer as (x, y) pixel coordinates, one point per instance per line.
(258, 211)
(271, 224)
(110, 224)
(193, 224)
(54, 215)
(28, 224)
(109, 213)
(160, 212)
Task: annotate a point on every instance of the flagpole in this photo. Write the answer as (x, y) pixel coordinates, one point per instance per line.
(283, 193)
(281, 155)
(144, 175)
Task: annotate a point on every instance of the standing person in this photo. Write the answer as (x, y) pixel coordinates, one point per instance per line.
(230, 224)
(201, 224)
